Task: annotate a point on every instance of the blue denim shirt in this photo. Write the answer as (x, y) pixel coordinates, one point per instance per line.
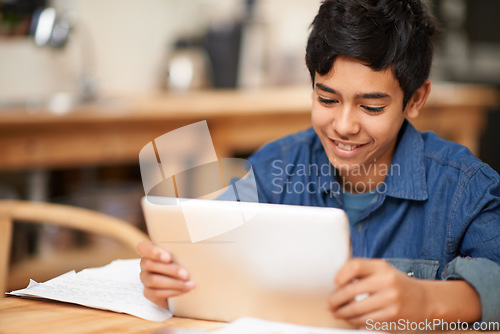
(437, 215)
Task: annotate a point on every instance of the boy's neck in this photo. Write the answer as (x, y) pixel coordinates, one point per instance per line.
(358, 184)
(365, 178)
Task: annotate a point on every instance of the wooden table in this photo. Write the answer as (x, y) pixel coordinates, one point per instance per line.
(19, 315)
(114, 131)
(27, 316)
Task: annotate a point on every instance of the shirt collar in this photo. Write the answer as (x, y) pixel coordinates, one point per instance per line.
(406, 177)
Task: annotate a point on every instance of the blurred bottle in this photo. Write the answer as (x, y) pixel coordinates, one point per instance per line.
(236, 48)
(222, 42)
(251, 66)
(188, 67)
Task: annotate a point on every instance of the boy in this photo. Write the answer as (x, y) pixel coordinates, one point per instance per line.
(424, 213)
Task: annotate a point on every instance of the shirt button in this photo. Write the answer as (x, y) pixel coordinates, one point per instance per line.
(410, 274)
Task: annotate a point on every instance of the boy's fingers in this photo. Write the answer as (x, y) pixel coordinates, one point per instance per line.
(358, 281)
(347, 294)
(357, 269)
(160, 297)
(171, 269)
(349, 271)
(147, 249)
(154, 281)
(153, 296)
(358, 308)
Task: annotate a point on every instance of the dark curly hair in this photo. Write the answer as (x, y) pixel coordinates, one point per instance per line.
(380, 33)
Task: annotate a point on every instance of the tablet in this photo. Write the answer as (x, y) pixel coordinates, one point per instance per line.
(271, 261)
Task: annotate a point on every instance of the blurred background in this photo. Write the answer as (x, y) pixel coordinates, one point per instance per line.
(104, 77)
(127, 46)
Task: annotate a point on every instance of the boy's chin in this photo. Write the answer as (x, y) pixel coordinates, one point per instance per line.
(347, 169)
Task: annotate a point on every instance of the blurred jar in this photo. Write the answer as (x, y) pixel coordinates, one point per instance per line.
(188, 67)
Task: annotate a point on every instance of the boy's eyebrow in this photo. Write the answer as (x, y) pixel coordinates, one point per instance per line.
(371, 95)
(326, 88)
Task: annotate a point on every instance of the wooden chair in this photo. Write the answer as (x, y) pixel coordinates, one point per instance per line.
(12, 211)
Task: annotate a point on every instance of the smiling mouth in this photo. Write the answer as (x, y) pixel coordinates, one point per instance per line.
(347, 147)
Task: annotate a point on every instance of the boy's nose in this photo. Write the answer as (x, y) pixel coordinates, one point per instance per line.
(346, 123)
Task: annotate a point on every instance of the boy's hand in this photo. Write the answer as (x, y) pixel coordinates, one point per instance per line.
(162, 277)
(392, 295)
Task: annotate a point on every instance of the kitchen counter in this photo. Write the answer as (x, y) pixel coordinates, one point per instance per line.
(114, 129)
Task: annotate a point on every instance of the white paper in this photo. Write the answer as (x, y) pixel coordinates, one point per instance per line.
(259, 326)
(115, 287)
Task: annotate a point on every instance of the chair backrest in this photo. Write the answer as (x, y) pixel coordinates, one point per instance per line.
(60, 215)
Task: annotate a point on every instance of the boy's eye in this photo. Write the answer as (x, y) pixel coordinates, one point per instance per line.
(326, 101)
(373, 110)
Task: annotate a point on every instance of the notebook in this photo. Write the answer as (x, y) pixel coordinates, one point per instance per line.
(270, 261)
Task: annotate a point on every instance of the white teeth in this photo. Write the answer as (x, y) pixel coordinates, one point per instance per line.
(346, 146)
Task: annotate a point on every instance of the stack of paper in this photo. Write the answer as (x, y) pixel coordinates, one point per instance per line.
(115, 287)
(259, 326)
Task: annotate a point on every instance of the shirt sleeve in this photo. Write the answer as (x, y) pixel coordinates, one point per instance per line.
(476, 234)
(475, 229)
(484, 276)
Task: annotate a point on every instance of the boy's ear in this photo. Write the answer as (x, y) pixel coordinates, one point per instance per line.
(418, 99)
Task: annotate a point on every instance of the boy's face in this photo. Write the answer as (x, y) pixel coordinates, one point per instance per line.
(357, 114)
